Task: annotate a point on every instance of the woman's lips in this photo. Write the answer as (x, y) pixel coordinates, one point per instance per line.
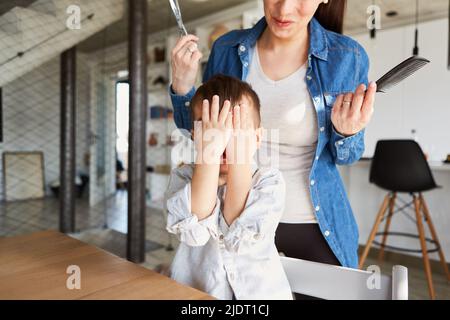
(282, 23)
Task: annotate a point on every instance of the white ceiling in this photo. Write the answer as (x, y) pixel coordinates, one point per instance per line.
(160, 15)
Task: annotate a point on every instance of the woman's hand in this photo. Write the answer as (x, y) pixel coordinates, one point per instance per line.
(352, 112)
(212, 133)
(185, 64)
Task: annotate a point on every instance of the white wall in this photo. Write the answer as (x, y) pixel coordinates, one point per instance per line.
(422, 102)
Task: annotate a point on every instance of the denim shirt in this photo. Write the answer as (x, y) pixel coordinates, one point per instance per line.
(336, 64)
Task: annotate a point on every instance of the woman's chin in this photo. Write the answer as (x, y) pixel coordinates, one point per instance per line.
(287, 32)
(283, 33)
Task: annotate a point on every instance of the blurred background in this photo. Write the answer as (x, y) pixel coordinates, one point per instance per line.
(64, 100)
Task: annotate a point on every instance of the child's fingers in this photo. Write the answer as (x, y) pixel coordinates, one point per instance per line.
(244, 116)
(229, 120)
(237, 117)
(205, 111)
(215, 109)
(224, 112)
(198, 135)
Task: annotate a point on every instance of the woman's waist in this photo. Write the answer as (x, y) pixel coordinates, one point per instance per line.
(288, 158)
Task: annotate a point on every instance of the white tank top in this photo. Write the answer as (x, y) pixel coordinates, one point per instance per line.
(286, 106)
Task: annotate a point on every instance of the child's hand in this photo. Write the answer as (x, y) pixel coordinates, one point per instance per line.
(243, 144)
(211, 135)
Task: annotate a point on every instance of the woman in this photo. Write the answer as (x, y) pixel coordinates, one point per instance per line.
(312, 82)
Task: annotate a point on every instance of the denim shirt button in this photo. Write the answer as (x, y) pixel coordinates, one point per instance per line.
(308, 77)
(187, 104)
(322, 129)
(317, 158)
(317, 208)
(242, 48)
(326, 233)
(313, 182)
(340, 143)
(246, 64)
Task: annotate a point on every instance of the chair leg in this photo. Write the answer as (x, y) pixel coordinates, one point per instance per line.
(426, 261)
(374, 230)
(386, 227)
(434, 234)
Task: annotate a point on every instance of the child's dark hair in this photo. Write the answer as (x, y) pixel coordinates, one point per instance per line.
(227, 88)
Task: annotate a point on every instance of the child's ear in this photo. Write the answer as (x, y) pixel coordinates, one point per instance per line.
(259, 136)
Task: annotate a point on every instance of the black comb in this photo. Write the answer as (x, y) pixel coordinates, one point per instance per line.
(400, 73)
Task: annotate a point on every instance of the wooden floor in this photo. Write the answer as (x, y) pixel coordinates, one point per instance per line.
(418, 288)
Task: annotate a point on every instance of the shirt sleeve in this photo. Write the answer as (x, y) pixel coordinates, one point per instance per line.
(347, 150)
(259, 219)
(181, 110)
(181, 221)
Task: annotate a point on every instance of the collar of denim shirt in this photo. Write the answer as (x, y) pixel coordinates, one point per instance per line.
(318, 43)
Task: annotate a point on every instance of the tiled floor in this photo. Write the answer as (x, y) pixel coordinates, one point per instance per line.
(105, 226)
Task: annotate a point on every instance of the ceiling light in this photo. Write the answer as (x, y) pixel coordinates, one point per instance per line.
(391, 13)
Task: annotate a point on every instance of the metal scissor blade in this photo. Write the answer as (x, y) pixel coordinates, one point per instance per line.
(177, 13)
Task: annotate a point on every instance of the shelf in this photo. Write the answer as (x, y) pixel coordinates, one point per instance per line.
(158, 89)
(160, 119)
(157, 65)
(159, 147)
(159, 173)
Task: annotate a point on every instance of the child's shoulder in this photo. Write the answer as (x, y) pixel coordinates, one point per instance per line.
(183, 171)
(268, 175)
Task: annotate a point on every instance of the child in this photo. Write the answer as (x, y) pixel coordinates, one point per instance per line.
(223, 208)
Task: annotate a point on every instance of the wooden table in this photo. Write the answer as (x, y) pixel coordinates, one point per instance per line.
(34, 267)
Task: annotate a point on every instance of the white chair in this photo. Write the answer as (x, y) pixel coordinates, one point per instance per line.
(338, 283)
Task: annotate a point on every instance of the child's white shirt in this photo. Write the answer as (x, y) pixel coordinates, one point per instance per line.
(240, 259)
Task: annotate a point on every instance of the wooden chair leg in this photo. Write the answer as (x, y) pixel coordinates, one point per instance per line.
(374, 230)
(426, 261)
(386, 227)
(426, 212)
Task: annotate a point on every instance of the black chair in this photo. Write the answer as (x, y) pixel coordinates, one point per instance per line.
(400, 166)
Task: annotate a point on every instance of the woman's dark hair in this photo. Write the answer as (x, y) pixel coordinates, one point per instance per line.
(331, 15)
(227, 88)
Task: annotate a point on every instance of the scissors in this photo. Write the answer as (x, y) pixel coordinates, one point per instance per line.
(177, 13)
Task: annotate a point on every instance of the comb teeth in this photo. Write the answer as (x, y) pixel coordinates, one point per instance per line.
(400, 72)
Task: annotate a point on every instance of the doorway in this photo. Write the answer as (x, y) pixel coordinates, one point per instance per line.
(122, 130)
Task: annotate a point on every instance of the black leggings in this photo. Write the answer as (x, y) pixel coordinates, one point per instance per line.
(306, 242)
